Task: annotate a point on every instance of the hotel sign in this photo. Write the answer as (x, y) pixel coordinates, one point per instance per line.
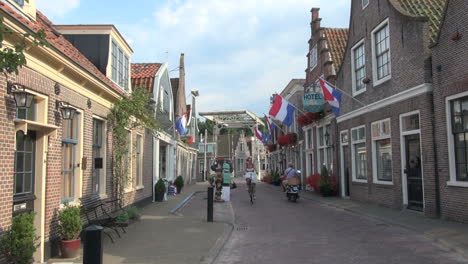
(313, 102)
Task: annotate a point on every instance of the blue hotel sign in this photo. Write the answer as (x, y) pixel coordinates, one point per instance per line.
(313, 102)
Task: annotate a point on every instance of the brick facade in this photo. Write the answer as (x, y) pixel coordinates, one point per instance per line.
(410, 57)
(450, 69)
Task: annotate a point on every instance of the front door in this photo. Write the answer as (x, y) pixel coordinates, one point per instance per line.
(346, 170)
(413, 172)
(23, 188)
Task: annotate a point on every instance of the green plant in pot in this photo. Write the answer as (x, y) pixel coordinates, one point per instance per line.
(327, 184)
(70, 226)
(179, 183)
(160, 190)
(20, 242)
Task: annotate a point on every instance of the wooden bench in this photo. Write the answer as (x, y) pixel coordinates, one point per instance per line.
(99, 212)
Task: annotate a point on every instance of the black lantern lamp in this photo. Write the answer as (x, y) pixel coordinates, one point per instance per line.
(67, 111)
(23, 99)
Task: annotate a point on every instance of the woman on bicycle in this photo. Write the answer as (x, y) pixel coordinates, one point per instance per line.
(250, 175)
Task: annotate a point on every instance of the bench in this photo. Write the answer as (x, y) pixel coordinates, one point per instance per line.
(99, 212)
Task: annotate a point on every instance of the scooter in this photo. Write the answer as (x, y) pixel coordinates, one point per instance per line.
(293, 187)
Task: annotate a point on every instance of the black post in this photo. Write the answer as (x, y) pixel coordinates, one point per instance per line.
(92, 248)
(210, 204)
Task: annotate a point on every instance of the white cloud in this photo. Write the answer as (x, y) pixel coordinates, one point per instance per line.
(57, 8)
(237, 52)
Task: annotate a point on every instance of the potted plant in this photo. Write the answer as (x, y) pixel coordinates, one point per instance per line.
(160, 190)
(20, 242)
(179, 183)
(70, 226)
(327, 184)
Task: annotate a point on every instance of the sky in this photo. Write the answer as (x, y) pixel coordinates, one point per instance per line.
(237, 52)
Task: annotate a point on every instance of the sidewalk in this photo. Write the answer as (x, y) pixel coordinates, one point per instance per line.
(450, 235)
(161, 237)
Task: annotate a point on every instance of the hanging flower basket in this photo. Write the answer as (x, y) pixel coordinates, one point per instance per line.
(309, 117)
(283, 141)
(271, 147)
(292, 138)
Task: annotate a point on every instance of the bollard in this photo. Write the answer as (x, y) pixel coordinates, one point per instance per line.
(210, 204)
(92, 248)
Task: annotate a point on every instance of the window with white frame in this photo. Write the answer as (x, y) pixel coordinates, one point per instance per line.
(324, 155)
(459, 138)
(381, 53)
(309, 138)
(365, 3)
(120, 66)
(358, 67)
(139, 160)
(313, 57)
(99, 154)
(359, 153)
(382, 151)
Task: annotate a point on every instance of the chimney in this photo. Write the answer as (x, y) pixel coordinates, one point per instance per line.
(315, 20)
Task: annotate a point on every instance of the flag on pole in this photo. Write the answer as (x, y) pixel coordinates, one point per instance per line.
(332, 96)
(259, 135)
(282, 110)
(181, 123)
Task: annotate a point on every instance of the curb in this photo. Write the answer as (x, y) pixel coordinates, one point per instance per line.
(175, 209)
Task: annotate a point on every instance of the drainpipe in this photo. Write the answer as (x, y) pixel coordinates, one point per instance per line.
(435, 148)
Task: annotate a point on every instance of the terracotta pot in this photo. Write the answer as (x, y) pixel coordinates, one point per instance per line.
(70, 249)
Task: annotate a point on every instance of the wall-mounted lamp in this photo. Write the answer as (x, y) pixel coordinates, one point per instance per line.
(23, 98)
(327, 138)
(67, 111)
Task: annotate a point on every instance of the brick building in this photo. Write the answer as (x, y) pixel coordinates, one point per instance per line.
(326, 50)
(386, 125)
(48, 159)
(450, 82)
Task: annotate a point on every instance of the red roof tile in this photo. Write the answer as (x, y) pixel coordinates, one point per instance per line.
(337, 39)
(143, 75)
(61, 44)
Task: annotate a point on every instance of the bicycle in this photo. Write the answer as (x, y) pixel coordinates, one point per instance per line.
(250, 190)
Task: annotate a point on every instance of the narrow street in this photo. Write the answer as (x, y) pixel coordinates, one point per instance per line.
(274, 230)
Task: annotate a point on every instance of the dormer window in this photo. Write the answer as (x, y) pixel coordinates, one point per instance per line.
(19, 2)
(365, 3)
(120, 66)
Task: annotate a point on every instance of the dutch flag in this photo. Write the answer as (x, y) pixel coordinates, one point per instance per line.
(259, 135)
(181, 124)
(282, 110)
(332, 96)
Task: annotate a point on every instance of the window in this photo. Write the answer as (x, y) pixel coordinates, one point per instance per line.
(313, 57)
(98, 166)
(19, 2)
(382, 151)
(365, 3)
(128, 162)
(24, 163)
(359, 154)
(459, 138)
(70, 138)
(323, 149)
(139, 161)
(120, 64)
(358, 66)
(381, 53)
(309, 138)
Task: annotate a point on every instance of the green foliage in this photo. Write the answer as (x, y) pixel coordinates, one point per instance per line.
(134, 111)
(12, 57)
(208, 125)
(324, 172)
(179, 183)
(160, 186)
(70, 222)
(123, 217)
(133, 213)
(20, 242)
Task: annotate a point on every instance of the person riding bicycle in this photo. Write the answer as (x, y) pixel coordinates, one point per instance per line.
(250, 175)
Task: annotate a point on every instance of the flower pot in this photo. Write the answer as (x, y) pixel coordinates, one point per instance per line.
(159, 197)
(70, 248)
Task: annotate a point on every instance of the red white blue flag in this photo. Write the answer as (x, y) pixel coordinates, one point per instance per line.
(282, 110)
(259, 135)
(332, 96)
